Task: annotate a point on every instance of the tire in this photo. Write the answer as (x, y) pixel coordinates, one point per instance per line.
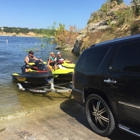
(99, 115)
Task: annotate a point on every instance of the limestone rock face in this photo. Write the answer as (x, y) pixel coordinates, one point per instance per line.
(77, 46)
(95, 27)
(91, 28)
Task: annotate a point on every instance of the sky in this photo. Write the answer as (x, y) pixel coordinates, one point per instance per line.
(43, 13)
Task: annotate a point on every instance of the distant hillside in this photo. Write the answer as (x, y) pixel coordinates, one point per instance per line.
(111, 21)
(30, 34)
(17, 31)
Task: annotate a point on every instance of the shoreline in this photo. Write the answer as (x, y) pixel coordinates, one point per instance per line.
(21, 35)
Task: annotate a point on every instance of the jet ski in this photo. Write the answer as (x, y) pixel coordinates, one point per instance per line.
(68, 64)
(62, 75)
(64, 71)
(37, 75)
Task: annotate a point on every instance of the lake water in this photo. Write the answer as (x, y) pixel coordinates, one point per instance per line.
(12, 53)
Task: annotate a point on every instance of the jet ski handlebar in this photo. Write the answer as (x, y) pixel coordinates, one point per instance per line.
(33, 63)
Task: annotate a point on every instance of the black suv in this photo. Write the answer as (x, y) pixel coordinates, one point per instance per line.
(106, 81)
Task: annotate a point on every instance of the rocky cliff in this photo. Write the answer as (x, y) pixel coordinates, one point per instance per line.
(111, 21)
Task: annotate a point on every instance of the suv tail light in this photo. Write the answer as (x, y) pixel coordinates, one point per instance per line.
(73, 79)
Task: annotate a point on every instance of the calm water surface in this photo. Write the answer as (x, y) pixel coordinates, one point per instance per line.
(12, 53)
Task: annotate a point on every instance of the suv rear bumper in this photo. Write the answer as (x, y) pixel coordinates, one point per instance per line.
(78, 96)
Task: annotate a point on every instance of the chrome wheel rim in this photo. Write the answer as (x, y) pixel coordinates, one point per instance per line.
(98, 114)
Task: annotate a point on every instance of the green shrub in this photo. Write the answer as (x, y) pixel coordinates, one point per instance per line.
(124, 16)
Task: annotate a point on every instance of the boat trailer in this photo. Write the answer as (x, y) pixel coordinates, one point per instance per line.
(58, 88)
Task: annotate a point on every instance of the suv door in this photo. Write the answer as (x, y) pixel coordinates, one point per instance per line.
(88, 72)
(122, 80)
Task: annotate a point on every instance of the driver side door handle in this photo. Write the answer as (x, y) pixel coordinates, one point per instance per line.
(109, 81)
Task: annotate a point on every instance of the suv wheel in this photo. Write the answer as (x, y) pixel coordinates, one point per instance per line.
(99, 115)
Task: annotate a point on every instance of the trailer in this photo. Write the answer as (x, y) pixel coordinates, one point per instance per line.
(58, 88)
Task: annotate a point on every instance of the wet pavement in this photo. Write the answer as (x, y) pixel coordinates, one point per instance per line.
(18, 103)
(61, 118)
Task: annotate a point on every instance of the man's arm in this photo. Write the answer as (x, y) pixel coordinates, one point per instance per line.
(26, 60)
(37, 59)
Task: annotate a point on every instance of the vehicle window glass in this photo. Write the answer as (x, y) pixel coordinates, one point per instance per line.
(91, 59)
(127, 58)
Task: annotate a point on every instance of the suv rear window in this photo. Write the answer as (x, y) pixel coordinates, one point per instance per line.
(127, 58)
(91, 59)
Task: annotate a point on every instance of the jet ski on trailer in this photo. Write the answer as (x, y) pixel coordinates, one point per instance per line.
(40, 79)
(37, 76)
(64, 72)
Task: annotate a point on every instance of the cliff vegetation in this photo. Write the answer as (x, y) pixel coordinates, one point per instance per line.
(112, 20)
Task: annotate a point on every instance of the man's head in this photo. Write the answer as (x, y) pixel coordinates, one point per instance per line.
(31, 53)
